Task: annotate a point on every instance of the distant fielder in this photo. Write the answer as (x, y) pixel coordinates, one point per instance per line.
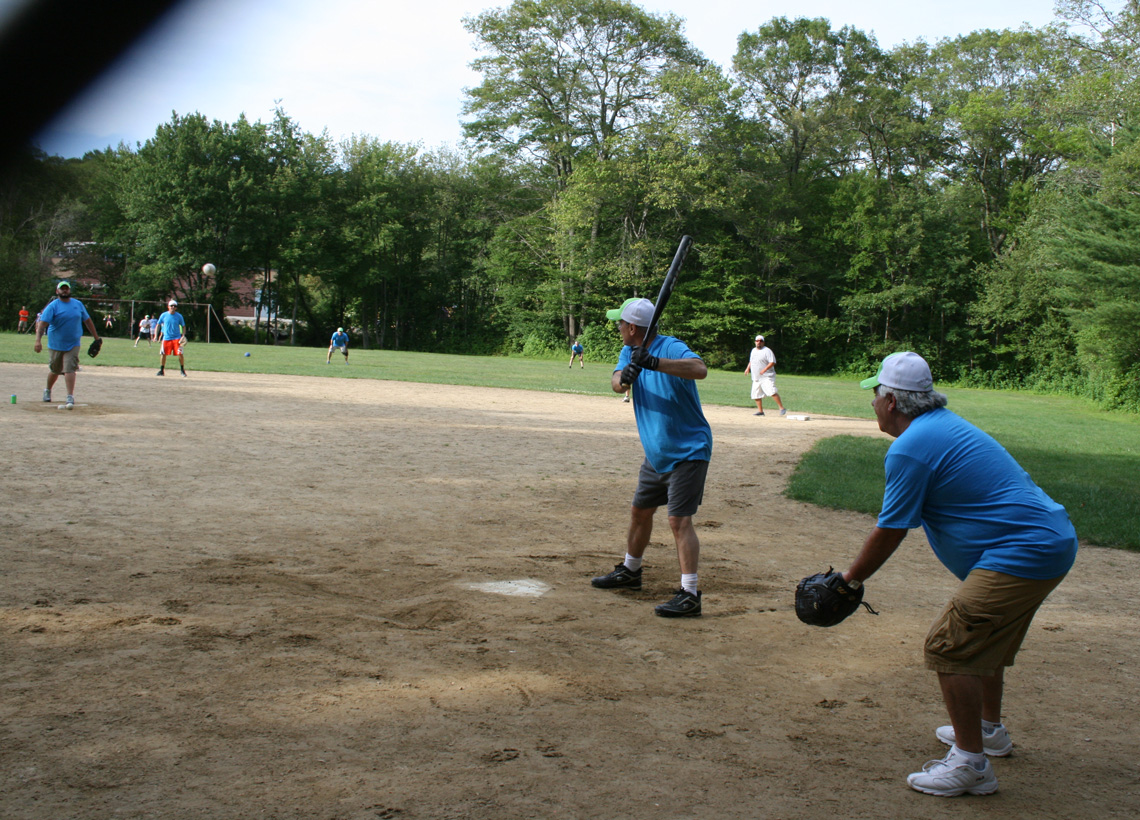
(171, 334)
(762, 366)
(1008, 542)
(338, 342)
(576, 352)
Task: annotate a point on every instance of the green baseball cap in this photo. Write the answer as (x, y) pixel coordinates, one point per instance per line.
(63, 284)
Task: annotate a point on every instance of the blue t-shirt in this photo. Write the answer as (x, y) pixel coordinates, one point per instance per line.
(170, 325)
(65, 323)
(979, 508)
(670, 421)
(340, 340)
(577, 348)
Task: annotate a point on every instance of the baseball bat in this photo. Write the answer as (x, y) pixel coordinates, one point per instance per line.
(667, 286)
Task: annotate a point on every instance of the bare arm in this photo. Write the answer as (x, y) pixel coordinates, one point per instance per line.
(41, 329)
(683, 368)
(615, 383)
(879, 546)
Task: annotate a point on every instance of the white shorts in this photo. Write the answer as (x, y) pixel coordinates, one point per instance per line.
(764, 386)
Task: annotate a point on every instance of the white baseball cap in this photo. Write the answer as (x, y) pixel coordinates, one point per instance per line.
(635, 311)
(172, 302)
(903, 371)
(758, 339)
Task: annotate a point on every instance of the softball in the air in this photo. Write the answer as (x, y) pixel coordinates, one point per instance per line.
(209, 269)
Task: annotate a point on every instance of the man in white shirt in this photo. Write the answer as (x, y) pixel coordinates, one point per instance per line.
(762, 366)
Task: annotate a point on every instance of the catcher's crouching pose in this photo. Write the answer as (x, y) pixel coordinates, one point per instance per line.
(989, 524)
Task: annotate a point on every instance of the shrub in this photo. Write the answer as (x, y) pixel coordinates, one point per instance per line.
(601, 341)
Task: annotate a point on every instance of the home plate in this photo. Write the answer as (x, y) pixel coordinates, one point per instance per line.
(799, 418)
(527, 587)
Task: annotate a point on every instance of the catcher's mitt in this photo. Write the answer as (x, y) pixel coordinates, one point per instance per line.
(95, 347)
(825, 599)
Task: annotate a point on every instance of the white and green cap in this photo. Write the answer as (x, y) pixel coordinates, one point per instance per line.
(902, 371)
(635, 311)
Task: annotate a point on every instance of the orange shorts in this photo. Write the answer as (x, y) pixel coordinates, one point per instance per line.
(171, 347)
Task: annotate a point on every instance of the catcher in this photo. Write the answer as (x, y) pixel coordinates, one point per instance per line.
(990, 525)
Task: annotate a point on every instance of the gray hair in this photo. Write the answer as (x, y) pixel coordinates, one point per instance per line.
(913, 403)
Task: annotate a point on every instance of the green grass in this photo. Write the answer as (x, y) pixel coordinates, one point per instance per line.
(1086, 459)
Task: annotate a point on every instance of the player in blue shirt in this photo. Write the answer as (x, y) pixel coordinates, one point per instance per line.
(677, 441)
(63, 319)
(171, 335)
(1007, 541)
(577, 351)
(339, 341)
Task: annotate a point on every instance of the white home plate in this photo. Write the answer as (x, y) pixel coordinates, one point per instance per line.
(799, 418)
(527, 587)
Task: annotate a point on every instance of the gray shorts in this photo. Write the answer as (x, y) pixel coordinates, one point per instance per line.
(682, 490)
(63, 361)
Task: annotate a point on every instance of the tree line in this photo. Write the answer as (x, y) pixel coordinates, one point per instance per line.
(974, 199)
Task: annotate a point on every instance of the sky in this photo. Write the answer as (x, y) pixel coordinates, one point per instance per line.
(396, 71)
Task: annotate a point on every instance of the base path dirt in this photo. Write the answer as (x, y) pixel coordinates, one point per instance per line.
(234, 596)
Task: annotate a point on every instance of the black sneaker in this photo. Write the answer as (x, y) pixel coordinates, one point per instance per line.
(622, 576)
(160, 373)
(184, 373)
(684, 604)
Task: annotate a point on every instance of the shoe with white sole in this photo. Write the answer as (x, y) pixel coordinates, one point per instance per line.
(995, 744)
(952, 776)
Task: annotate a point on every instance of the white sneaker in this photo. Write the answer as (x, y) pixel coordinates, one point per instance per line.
(47, 396)
(952, 776)
(995, 744)
(70, 403)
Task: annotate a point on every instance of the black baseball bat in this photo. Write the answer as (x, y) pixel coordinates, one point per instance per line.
(667, 286)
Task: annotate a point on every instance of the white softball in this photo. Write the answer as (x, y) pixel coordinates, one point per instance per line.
(209, 269)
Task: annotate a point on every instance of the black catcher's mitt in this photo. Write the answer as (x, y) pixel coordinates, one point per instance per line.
(95, 347)
(825, 599)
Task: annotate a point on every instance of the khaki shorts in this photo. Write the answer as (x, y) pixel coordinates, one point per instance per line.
(982, 627)
(63, 361)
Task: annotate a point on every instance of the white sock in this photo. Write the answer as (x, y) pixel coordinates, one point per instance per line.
(989, 728)
(689, 583)
(975, 759)
(631, 563)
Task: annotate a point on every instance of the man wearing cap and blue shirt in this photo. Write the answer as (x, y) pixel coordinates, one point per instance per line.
(339, 341)
(677, 441)
(171, 335)
(63, 319)
(1007, 541)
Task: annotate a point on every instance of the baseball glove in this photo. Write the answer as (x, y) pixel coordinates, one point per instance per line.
(825, 599)
(95, 347)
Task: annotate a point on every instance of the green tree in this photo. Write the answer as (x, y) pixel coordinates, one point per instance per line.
(192, 194)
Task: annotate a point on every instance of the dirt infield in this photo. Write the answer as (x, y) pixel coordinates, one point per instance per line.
(235, 596)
